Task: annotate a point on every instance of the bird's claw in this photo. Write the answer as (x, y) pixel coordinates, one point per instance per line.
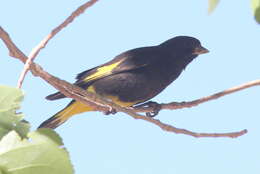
(155, 107)
(110, 111)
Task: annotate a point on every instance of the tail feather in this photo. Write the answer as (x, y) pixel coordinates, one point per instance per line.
(62, 116)
(55, 96)
(52, 122)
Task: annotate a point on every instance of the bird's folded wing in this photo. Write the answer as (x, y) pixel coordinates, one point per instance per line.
(130, 60)
(127, 61)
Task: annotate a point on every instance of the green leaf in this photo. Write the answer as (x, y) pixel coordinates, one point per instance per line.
(52, 136)
(255, 4)
(10, 100)
(212, 4)
(42, 153)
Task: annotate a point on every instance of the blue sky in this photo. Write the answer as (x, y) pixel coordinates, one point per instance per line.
(118, 144)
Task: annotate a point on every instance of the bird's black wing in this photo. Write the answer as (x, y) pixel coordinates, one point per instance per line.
(127, 61)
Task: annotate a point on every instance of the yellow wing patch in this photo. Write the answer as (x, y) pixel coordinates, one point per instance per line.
(102, 71)
(91, 89)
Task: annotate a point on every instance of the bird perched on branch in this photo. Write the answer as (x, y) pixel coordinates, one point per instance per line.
(132, 77)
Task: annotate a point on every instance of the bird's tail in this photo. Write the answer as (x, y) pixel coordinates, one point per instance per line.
(62, 116)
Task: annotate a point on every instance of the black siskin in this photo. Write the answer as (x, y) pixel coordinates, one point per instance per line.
(132, 77)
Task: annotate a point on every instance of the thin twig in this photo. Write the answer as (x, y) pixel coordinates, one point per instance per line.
(97, 102)
(35, 51)
(181, 105)
(170, 128)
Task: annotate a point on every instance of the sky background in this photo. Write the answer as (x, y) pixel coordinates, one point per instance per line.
(119, 144)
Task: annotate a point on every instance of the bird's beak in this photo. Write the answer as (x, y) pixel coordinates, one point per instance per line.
(200, 50)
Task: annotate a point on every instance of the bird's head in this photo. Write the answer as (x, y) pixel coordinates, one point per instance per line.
(184, 47)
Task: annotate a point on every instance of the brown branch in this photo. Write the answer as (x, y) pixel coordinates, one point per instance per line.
(170, 128)
(45, 41)
(68, 89)
(181, 105)
(95, 101)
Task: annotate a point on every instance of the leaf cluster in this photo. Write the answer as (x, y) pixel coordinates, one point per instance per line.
(23, 152)
(255, 5)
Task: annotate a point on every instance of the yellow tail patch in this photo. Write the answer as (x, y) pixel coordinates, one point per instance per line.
(75, 108)
(62, 116)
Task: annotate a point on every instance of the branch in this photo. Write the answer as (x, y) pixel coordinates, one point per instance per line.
(44, 42)
(96, 102)
(68, 89)
(181, 105)
(170, 128)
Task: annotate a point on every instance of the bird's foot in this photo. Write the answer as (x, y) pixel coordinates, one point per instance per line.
(155, 107)
(110, 111)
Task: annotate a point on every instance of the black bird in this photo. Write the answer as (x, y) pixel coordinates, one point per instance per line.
(132, 77)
